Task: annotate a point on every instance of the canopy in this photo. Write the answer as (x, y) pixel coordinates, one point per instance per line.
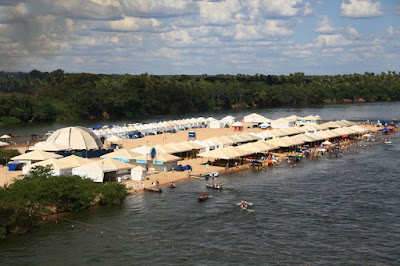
(2, 144)
(36, 156)
(113, 139)
(78, 138)
(49, 146)
(121, 154)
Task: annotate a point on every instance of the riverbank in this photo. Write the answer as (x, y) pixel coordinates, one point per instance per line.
(198, 164)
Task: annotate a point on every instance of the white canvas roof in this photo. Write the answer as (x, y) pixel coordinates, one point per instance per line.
(36, 156)
(121, 153)
(74, 161)
(117, 164)
(49, 146)
(2, 144)
(142, 149)
(161, 157)
(255, 118)
(78, 138)
(56, 164)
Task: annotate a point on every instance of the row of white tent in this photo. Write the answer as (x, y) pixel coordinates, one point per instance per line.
(198, 122)
(263, 146)
(161, 126)
(95, 170)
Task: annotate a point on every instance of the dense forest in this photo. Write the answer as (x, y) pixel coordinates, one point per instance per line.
(49, 96)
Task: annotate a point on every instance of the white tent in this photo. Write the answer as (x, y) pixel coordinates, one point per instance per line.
(78, 138)
(35, 156)
(255, 118)
(138, 173)
(142, 149)
(122, 155)
(228, 119)
(96, 171)
(216, 124)
(49, 146)
(2, 144)
(282, 123)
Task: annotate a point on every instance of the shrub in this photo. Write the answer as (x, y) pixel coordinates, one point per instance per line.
(23, 203)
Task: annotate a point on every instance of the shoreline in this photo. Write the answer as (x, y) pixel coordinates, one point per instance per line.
(198, 166)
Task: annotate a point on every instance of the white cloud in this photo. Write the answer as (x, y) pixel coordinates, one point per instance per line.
(335, 40)
(325, 26)
(158, 8)
(360, 9)
(284, 8)
(15, 13)
(84, 9)
(219, 13)
(135, 24)
(352, 32)
(308, 9)
(270, 29)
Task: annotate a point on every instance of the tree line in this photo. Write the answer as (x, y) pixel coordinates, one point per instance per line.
(49, 96)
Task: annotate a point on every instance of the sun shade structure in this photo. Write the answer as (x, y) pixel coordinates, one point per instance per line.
(61, 166)
(255, 118)
(96, 171)
(122, 155)
(49, 146)
(77, 138)
(36, 156)
(2, 144)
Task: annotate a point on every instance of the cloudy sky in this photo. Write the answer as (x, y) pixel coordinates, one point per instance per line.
(200, 36)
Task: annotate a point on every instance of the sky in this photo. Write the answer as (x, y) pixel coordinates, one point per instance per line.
(166, 37)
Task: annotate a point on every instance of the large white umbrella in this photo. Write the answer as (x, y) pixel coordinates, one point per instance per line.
(5, 137)
(2, 144)
(326, 143)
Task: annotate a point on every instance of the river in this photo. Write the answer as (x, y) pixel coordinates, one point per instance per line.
(333, 211)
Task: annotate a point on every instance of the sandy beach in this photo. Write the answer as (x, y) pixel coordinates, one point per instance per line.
(163, 177)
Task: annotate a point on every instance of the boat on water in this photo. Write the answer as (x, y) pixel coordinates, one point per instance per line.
(203, 197)
(215, 186)
(244, 205)
(152, 189)
(213, 174)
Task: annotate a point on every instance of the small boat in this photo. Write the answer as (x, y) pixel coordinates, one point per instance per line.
(244, 205)
(215, 186)
(203, 197)
(152, 189)
(213, 174)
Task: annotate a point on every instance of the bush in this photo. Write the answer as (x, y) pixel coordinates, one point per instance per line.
(23, 203)
(9, 120)
(5, 155)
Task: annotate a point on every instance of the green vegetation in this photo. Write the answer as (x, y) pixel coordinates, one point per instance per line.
(24, 203)
(49, 96)
(5, 155)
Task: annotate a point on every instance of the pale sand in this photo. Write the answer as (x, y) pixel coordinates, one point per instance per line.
(164, 177)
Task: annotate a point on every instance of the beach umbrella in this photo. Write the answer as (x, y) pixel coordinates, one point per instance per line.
(5, 137)
(326, 143)
(367, 135)
(2, 144)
